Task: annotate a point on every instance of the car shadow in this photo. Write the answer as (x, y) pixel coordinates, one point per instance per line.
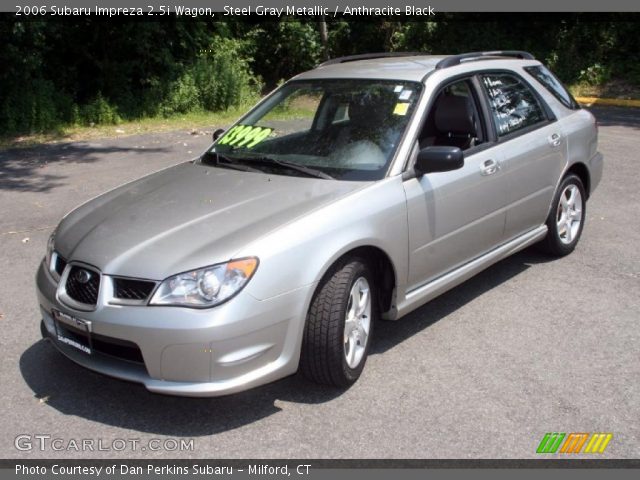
(390, 334)
(73, 390)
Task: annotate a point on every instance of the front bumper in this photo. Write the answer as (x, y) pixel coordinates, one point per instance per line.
(226, 349)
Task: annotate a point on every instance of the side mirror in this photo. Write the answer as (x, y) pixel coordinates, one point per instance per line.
(218, 133)
(438, 159)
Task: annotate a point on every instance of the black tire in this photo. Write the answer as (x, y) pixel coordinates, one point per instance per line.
(323, 358)
(552, 243)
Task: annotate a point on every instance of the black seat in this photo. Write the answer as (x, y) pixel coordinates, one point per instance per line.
(455, 123)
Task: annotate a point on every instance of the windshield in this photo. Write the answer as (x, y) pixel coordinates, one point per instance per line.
(342, 129)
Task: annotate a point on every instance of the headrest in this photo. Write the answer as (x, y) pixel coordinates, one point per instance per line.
(454, 114)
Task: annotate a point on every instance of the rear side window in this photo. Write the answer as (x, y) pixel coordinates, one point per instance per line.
(549, 81)
(513, 104)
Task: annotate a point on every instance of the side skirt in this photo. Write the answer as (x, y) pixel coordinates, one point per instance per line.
(421, 295)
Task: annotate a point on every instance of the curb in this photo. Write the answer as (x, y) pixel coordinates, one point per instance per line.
(612, 102)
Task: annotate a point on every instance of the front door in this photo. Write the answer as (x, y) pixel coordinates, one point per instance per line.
(455, 216)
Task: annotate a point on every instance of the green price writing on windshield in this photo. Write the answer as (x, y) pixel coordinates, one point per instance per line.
(245, 136)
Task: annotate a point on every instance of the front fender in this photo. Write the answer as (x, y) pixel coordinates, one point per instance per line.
(299, 253)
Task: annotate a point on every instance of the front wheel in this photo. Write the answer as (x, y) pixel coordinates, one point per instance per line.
(339, 325)
(566, 219)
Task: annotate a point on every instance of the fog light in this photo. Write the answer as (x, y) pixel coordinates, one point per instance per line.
(49, 325)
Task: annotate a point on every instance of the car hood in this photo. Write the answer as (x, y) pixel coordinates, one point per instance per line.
(186, 217)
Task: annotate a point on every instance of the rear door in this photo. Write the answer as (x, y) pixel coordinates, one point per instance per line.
(535, 149)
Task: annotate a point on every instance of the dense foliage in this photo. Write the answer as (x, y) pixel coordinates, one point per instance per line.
(92, 71)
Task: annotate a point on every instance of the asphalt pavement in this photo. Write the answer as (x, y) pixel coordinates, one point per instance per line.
(531, 345)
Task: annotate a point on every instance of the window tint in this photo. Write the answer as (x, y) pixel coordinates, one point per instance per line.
(551, 83)
(513, 105)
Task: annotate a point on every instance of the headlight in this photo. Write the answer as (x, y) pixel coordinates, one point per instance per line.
(206, 286)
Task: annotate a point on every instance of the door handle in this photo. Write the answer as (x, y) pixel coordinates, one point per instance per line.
(489, 167)
(555, 140)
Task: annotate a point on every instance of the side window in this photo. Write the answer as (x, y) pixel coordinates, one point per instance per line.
(453, 119)
(513, 105)
(341, 114)
(549, 81)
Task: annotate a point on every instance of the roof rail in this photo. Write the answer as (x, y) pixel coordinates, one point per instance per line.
(368, 56)
(458, 59)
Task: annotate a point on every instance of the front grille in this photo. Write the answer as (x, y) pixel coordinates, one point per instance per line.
(114, 347)
(81, 291)
(129, 289)
(60, 264)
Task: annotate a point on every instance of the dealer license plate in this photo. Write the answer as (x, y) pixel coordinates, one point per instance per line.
(73, 331)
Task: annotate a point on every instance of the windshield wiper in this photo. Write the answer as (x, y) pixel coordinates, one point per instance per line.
(311, 172)
(226, 162)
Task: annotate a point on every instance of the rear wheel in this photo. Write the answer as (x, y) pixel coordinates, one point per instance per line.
(566, 219)
(339, 325)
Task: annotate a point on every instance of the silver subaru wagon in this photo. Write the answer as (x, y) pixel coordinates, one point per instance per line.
(355, 192)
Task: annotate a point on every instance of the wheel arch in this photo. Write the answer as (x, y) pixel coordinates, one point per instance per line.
(582, 172)
(383, 268)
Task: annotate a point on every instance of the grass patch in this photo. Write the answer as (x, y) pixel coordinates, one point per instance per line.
(617, 89)
(187, 121)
